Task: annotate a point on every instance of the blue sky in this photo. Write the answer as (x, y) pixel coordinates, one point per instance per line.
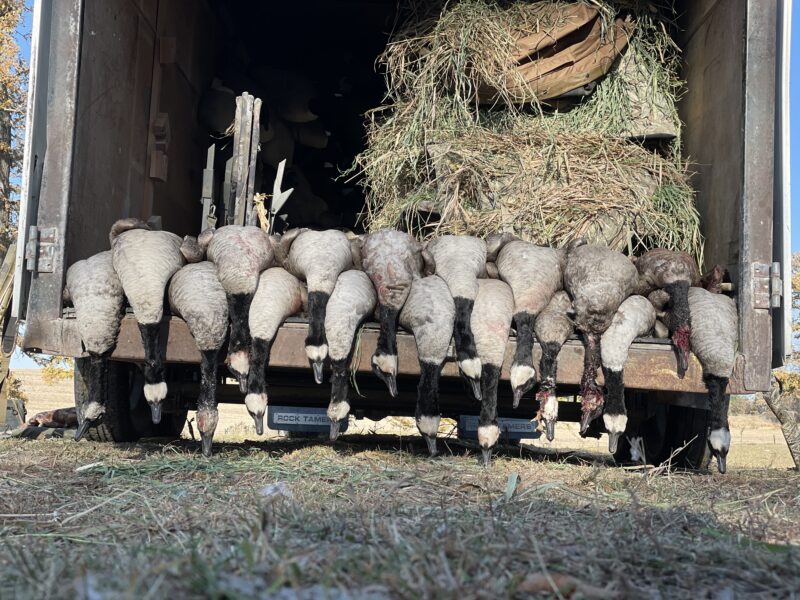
(20, 361)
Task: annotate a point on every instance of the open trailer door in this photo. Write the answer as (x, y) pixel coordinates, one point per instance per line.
(46, 175)
(782, 256)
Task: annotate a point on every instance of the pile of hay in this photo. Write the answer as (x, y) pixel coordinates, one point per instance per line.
(547, 173)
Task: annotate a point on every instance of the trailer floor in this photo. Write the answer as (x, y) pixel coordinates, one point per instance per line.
(367, 518)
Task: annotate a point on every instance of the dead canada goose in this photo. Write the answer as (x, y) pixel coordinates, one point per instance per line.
(599, 279)
(240, 253)
(429, 313)
(460, 260)
(352, 302)
(145, 260)
(392, 260)
(95, 291)
(196, 295)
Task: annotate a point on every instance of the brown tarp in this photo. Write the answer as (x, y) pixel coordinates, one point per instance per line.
(571, 54)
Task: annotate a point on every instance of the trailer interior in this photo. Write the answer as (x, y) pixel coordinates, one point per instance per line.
(142, 64)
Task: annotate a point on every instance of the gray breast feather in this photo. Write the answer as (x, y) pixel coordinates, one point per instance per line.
(318, 257)
(241, 254)
(97, 296)
(460, 260)
(715, 331)
(429, 313)
(533, 272)
(554, 325)
(392, 259)
(145, 261)
(491, 320)
(352, 301)
(279, 296)
(196, 294)
(634, 318)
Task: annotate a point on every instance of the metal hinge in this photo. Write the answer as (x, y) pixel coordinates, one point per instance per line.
(40, 249)
(767, 285)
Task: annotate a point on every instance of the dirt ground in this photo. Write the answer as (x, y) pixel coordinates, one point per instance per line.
(372, 517)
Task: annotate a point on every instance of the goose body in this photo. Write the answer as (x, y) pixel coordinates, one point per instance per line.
(715, 330)
(352, 302)
(392, 260)
(97, 295)
(196, 295)
(429, 313)
(634, 318)
(491, 324)
(673, 272)
(599, 280)
(279, 296)
(553, 327)
(318, 257)
(535, 274)
(460, 261)
(145, 261)
(240, 254)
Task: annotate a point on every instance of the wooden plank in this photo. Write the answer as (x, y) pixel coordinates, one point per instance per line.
(252, 164)
(651, 364)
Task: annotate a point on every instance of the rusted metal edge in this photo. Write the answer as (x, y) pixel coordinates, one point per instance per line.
(650, 366)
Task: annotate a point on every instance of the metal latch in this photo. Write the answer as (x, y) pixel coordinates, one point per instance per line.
(767, 285)
(40, 249)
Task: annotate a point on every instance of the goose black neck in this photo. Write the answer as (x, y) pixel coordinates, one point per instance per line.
(718, 401)
(523, 322)
(548, 366)
(591, 358)
(317, 303)
(208, 379)
(95, 371)
(387, 339)
(340, 381)
(615, 392)
(462, 330)
(679, 299)
(259, 361)
(490, 378)
(239, 310)
(428, 390)
(153, 357)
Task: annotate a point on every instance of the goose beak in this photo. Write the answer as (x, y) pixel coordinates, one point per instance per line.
(335, 426)
(207, 438)
(613, 441)
(586, 420)
(82, 429)
(518, 393)
(388, 378)
(486, 456)
(259, 420)
(722, 463)
(475, 384)
(242, 382)
(317, 367)
(683, 363)
(155, 413)
(550, 430)
(431, 441)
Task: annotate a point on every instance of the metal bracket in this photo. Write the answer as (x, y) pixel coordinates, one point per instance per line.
(776, 285)
(40, 249)
(760, 283)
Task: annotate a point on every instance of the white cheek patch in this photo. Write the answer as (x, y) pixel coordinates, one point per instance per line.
(239, 362)
(520, 375)
(428, 425)
(317, 353)
(471, 367)
(550, 408)
(207, 420)
(93, 411)
(615, 423)
(386, 363)
(488, 435)
(256, 403)
(155, 392)
(338, 411)
(637, 448)
(720, 439)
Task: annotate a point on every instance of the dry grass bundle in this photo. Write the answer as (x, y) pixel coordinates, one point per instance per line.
(547, 175)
